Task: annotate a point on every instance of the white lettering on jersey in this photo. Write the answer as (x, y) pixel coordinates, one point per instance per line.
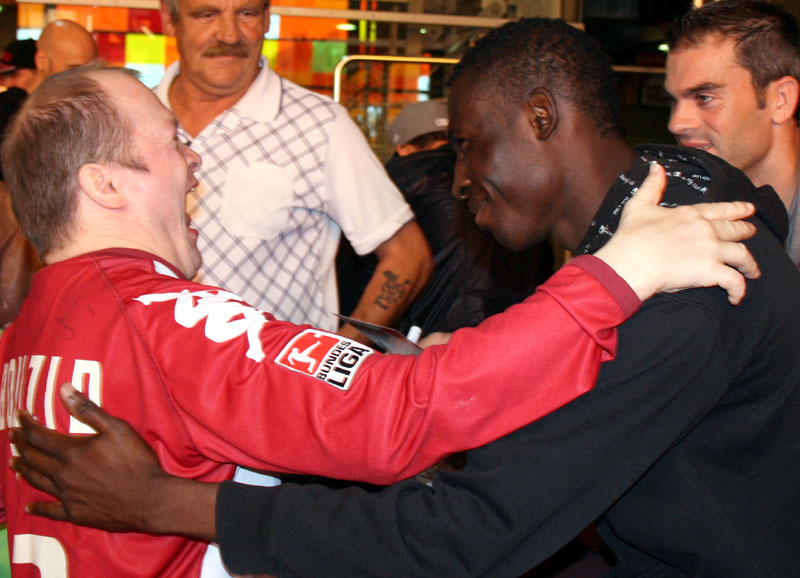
(50, 393)
(87, 377)
(44, 552)
(10, 391)
(221, 310)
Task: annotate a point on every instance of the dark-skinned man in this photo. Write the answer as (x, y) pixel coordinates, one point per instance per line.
(687, 447)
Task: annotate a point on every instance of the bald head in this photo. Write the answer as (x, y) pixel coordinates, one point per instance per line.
(62, 45)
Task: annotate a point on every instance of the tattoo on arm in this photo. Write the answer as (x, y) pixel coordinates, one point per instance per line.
(393, 291)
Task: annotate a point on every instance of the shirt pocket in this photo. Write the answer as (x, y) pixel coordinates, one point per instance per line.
(256, 200)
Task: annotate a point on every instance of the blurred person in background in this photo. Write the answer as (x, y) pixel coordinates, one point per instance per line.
(24, 64)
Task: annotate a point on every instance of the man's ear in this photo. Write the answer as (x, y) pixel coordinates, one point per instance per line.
(40, 60)
(785, 94)
(543, 112)
(167, 25)
(96, 182)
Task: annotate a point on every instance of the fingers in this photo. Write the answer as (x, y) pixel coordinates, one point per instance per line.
(52, 510)
(33, 476)
(739, 257)
(733, 210)
(32, 433)
(32, 464)
(83, 409)
(651, 189)
(726, 230)
(731, 281)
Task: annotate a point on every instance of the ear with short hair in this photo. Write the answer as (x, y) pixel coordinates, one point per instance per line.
(167, 25)
(543, 112)
(786, 93)
(96, 183)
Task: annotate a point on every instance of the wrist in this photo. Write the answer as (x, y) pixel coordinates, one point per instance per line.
(181, 506)
(630, 268)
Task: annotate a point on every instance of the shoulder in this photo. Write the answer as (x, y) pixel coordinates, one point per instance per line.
(297, 99)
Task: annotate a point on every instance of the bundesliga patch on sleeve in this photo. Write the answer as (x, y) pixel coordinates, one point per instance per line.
(331, 358)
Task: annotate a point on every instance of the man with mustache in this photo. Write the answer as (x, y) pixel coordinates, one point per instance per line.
(285, 172)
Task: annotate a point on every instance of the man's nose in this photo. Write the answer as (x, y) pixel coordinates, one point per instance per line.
(680, 119)
(227, 29)
(461, 192)
(193, 159)
(461, 183)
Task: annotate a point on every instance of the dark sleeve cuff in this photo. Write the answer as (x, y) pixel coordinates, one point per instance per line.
(244, 514)
(613, 283)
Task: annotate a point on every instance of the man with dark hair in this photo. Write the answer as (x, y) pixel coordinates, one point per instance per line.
(474, 276)
(99, 181)
(687, 447)
(733, 72)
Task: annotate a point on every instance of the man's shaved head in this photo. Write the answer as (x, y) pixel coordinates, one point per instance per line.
(64, 44)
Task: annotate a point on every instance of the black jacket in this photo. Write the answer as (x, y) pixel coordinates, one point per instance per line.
(688, 448)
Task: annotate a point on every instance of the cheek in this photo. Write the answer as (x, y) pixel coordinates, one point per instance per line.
(718, 122)
(252, 34)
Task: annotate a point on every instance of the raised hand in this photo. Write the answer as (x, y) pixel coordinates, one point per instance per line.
(656, 249)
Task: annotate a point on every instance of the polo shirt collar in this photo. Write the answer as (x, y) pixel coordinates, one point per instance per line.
(260, 103)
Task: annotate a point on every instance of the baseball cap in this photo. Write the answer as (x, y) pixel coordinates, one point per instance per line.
(18, 54)
(417, 119)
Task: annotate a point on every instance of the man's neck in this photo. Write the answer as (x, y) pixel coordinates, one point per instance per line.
(595, 173)
(781, 167)
(37, 81)
(194, 108)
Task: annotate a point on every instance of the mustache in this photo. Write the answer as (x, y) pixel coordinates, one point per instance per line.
(219, 49)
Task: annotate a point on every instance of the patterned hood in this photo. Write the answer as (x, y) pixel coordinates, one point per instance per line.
(709, 178)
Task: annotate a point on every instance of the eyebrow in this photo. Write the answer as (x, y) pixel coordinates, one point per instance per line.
(202, 9)
(705, 87)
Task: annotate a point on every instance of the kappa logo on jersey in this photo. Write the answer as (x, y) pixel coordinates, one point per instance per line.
(226, 317)
(328, 357)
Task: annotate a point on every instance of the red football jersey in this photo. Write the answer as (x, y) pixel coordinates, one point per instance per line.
(210, 382)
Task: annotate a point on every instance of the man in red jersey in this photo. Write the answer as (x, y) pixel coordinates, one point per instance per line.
(98, 180)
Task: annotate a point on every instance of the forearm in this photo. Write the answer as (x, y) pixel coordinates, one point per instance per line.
(405, 263)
